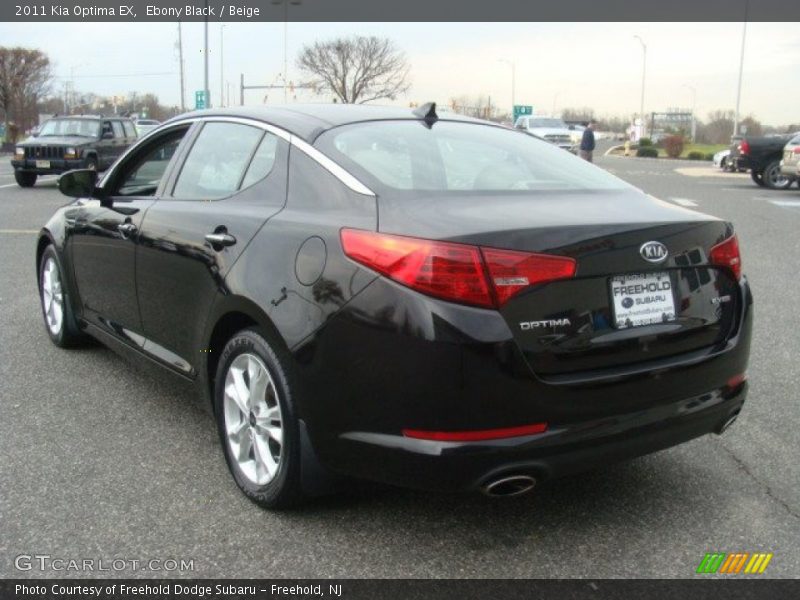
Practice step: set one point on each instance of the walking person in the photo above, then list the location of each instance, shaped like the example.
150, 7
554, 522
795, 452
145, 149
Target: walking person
587, 142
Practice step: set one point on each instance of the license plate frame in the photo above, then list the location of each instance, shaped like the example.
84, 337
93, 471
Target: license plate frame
42, 164
641, 299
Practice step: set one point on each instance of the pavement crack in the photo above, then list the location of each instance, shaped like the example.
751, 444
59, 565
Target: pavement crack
770, 493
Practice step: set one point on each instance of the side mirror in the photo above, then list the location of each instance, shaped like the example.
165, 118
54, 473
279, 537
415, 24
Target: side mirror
35, 132
78, 183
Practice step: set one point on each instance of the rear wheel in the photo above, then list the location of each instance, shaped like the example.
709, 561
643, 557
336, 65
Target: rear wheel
59, 320
774, 179
25, 179
256, 420
757, 176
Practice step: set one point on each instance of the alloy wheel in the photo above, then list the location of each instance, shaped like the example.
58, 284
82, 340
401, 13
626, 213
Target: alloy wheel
52, 297
253, 424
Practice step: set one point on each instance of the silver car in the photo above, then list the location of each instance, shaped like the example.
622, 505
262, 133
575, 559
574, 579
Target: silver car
790, 164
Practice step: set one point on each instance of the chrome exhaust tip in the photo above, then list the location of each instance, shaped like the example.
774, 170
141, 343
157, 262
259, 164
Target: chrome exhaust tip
512, 485
726, 425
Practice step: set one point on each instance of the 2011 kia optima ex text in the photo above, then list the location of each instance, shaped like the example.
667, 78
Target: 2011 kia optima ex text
430, 301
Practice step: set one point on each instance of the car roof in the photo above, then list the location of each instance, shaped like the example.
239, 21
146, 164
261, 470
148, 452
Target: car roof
308, 121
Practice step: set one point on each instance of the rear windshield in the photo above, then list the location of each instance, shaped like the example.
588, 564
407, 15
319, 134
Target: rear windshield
462, 157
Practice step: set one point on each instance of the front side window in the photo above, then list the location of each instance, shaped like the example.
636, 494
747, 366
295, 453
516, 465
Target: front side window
118, 131
142, 173
458, 157
217, 162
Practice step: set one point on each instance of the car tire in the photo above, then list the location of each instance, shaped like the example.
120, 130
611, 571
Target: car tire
774, 179
25, 179
59, 318
90, 162
723, 164
757, 177
256, 420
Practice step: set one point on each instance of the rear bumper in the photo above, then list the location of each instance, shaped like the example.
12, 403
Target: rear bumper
790, 170
451, 466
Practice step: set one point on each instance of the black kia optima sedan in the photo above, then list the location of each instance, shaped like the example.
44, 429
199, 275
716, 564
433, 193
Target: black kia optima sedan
425, 300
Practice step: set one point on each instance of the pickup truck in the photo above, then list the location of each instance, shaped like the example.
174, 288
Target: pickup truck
762, 156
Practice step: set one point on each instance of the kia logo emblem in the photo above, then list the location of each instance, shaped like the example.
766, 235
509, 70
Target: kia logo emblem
654, 252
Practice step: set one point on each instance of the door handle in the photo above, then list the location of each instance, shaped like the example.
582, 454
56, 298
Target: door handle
126, 228
220, 239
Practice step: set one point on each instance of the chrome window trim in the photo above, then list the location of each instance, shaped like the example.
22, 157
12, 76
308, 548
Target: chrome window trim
323, 160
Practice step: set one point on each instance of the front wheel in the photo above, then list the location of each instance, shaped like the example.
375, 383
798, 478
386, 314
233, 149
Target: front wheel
59, 320
91, 162
256, 420
758, 177
774, 179
25, 179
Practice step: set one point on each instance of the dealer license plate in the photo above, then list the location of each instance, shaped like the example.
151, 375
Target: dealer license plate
642, 299
42, 164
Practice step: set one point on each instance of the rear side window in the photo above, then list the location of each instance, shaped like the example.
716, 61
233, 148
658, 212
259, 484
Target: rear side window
263, 160
795, 140
130, 130
458, 157
217, 162
118, 131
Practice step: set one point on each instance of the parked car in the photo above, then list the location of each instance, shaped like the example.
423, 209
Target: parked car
144, 126
70, 142
551, 129
515, 314
721, 159
762, 156
791, 158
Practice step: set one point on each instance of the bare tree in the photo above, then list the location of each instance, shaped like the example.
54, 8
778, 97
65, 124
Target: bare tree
356, 69
24, 80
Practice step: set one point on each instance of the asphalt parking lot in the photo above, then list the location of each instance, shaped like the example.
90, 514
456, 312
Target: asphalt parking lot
98, 460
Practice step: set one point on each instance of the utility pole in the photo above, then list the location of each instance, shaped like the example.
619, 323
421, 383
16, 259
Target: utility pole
644, 72
221, 69
741, 68
180, 66
205, 59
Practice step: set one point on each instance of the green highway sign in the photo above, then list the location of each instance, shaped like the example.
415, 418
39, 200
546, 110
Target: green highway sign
521, 110
200, 99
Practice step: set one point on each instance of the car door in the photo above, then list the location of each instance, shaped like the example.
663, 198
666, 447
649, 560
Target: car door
120, 142
233, 178
101, 236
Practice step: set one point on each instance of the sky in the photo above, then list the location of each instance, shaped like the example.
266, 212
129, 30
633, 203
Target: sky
557, 65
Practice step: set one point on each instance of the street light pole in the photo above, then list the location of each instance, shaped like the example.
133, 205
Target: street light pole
741, 68
221, 68
644, 72
513, 66
205, 60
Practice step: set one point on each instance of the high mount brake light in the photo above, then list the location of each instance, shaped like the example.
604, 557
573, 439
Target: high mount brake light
485, 277
726, 254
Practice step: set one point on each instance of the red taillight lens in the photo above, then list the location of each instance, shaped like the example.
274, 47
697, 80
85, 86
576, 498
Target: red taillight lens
476, 435
796, 149
441, 269
454, 272
744, 147
512, 271
726, 254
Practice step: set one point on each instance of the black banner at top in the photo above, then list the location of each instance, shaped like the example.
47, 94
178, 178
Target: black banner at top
399, 10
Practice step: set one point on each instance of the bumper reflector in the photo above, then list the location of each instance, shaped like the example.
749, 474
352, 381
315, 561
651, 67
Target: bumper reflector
476, 435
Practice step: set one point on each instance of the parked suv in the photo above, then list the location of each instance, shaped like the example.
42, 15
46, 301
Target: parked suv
72, 142
551, 129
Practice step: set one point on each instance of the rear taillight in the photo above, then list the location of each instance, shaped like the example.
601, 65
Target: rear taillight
796, 150
726, 254
462, 273
744, 147
513, 271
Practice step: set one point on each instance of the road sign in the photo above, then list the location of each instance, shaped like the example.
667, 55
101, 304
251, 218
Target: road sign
200, 99
522, 110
